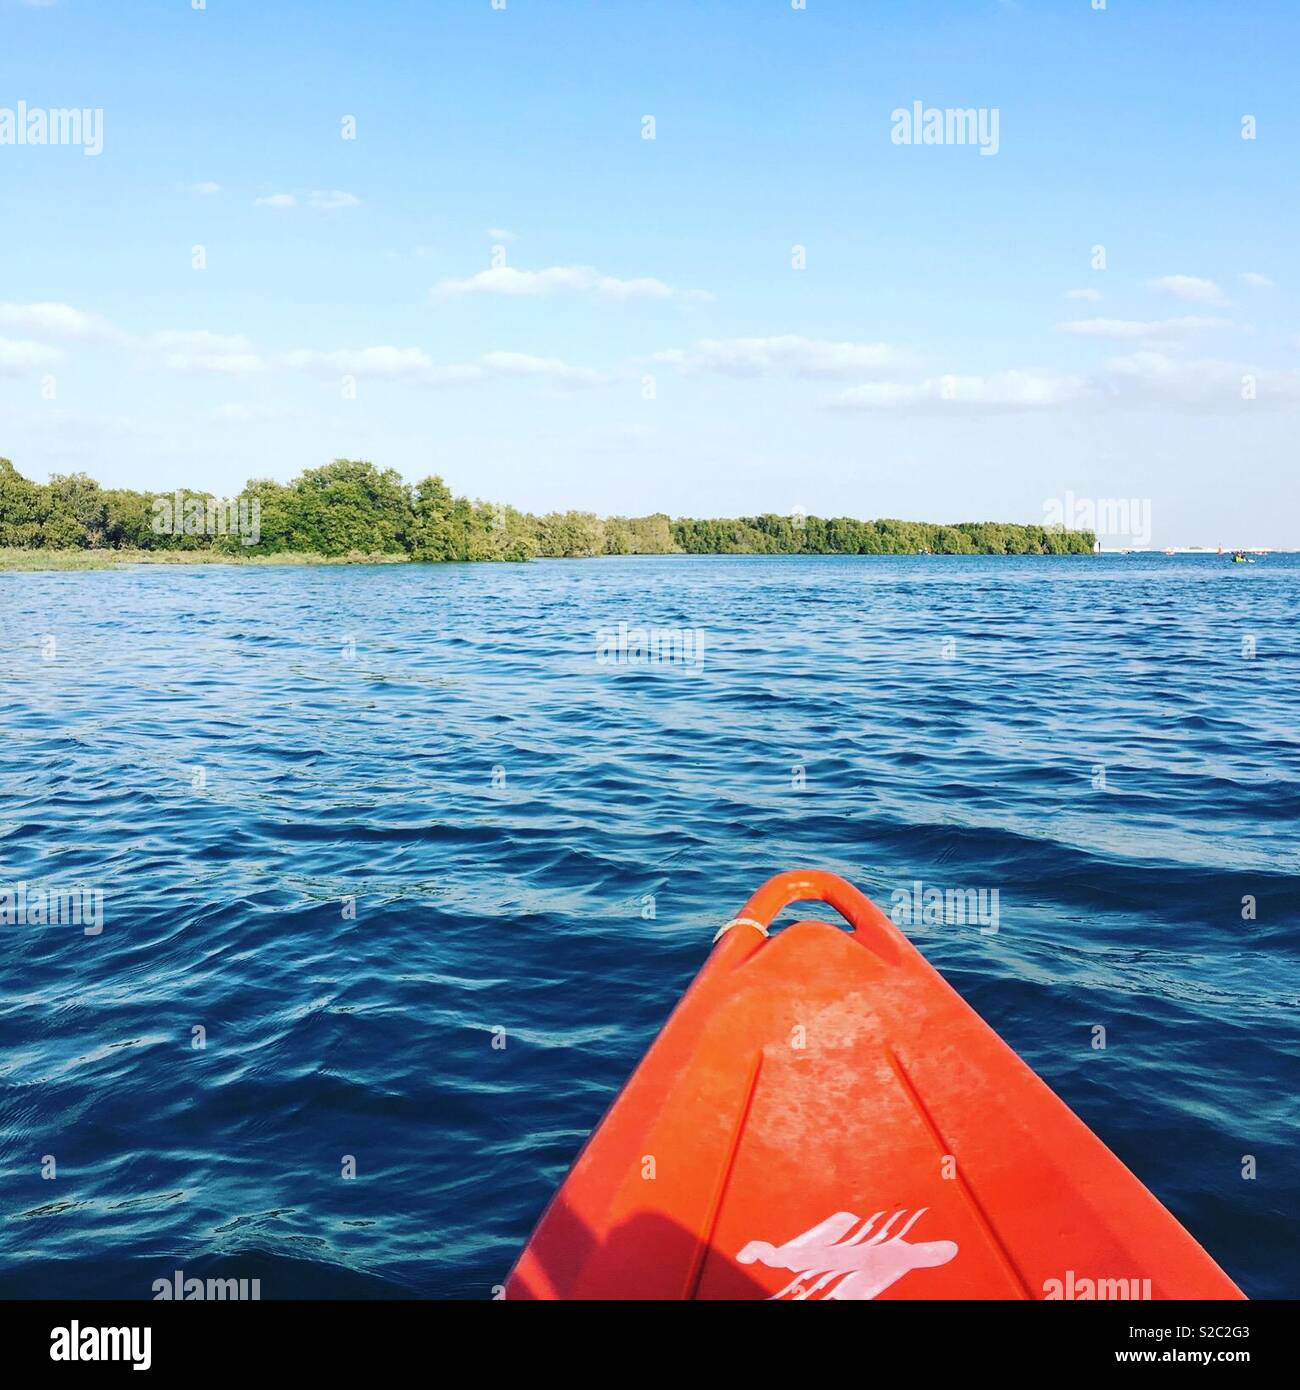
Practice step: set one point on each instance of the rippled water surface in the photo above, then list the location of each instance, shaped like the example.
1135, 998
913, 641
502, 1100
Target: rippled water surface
440, 744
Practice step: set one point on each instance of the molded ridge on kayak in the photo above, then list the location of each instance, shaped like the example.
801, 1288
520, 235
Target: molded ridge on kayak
823, 1116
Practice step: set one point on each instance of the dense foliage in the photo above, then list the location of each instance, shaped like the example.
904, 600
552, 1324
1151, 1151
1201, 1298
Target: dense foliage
348, 507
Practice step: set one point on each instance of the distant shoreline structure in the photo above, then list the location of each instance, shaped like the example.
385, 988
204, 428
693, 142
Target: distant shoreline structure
1213, 550
352, 510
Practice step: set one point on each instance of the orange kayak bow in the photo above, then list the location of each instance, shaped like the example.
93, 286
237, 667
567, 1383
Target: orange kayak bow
823, 1116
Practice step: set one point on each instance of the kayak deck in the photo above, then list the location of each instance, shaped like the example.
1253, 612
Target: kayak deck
824, 1117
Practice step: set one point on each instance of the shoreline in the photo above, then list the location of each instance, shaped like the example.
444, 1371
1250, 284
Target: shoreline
73, 561
78, 561
65, 561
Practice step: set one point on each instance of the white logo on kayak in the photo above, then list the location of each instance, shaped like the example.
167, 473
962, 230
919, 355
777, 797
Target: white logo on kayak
856, 1266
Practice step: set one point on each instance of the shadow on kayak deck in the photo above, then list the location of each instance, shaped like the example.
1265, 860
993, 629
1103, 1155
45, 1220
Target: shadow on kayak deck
650, 1247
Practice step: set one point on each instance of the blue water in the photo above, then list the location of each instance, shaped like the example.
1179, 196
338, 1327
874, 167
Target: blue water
949, 715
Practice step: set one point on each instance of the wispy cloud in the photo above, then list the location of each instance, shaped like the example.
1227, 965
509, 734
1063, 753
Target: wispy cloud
416, 253
60, 321
206, 189
330, 200
785, 354
241, 413
197, 350
573, 279
1191, 288
500, 234
1153, 379
414, 366
1136, 329
544, 368
382, 363
17, 356
1144, 380
1092, 296
323, 200
998, 392
1257, 281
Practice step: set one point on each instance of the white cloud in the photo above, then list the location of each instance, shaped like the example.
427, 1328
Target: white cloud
17, 356
1189, 287
416, 367
198, 350
331, 199
417, 253
549, 368
388, 363
998, 392
240, 413
787, 354
1132, 329
1091, 295
1146, 379
1153, 379
205, 189
559, 279
1257, 281
48, 320
1152, 375
500, 234
323, 200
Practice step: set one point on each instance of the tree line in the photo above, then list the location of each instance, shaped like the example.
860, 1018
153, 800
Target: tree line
350, 507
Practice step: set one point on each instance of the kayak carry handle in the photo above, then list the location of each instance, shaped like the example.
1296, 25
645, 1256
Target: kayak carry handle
817, 885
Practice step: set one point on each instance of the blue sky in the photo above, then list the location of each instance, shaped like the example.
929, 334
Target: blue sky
947, 353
